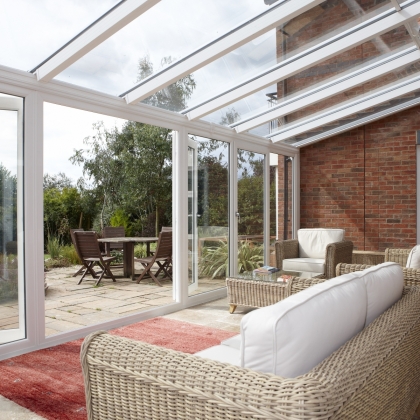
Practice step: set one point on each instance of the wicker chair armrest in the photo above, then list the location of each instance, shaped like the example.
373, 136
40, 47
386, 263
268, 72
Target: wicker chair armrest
397, 255
288, 248
343, 268
142, 381
297, 284
337, 252
411, 276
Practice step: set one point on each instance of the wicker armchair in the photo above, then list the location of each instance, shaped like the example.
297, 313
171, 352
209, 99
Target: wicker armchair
397, 255
335, 253
411, 275
373, 376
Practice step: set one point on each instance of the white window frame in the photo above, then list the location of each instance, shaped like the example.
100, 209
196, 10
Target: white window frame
19, 83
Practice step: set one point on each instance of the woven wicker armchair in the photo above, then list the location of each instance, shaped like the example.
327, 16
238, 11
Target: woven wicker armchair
397, 255
373, 376
335, 253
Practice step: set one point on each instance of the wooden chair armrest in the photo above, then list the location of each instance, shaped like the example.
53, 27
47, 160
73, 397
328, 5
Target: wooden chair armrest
288, 248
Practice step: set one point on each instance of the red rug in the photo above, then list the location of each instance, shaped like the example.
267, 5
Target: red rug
49, 382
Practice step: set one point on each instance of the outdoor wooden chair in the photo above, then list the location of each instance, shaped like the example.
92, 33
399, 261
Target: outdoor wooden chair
80, 270
90, 253
162, 256
113, 232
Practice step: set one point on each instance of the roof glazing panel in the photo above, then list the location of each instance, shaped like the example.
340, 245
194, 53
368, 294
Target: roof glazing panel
30, 31
168, 31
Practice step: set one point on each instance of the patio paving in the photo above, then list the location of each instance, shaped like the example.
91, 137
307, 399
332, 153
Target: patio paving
69, 306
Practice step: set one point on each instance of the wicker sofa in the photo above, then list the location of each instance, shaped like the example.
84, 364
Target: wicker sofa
374, 375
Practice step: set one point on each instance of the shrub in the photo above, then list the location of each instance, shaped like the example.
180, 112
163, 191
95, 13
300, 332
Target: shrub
140, 250
53, 246
214, 260
56, 263
69, 253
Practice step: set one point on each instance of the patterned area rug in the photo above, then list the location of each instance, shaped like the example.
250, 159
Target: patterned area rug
49, 382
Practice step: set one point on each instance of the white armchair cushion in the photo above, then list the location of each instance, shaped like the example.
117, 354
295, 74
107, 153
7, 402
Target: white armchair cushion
313, 242
413, 260
314, 265
292, 336
384, 285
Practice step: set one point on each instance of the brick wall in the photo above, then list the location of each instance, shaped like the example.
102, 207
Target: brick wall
365, 181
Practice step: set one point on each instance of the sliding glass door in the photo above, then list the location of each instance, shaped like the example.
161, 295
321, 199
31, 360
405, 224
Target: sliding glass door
12, 295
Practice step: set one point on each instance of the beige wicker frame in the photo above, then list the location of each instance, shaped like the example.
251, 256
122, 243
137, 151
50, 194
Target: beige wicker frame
335, 253
259, 293
374, 376
411, 275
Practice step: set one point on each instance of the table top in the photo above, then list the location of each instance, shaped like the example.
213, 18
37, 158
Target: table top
129, 239
277, 277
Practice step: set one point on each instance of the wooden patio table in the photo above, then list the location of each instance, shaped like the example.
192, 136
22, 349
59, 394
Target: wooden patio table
128, 250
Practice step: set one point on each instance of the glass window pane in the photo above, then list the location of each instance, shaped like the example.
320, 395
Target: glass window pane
170, 30
12, 304
250, 172
30, 31
209, 243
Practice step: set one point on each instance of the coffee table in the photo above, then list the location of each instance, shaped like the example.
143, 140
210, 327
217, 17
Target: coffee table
258, 290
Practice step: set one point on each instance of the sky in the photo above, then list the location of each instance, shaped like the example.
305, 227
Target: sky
30, 31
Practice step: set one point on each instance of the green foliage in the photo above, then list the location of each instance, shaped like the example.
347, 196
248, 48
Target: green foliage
56, 263
54, 246
8, 206
119, 218
214, 260
140, 250
8, 277
69, 253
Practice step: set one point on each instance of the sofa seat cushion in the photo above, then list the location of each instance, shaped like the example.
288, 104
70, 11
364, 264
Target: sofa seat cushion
413, 260
234, 342
384, 286
313, 242
222, 353
314, 265
292, 336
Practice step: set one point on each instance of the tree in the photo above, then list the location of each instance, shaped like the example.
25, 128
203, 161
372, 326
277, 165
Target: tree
173, 97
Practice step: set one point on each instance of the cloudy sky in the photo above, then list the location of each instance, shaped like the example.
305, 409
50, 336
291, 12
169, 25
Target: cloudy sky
32, 30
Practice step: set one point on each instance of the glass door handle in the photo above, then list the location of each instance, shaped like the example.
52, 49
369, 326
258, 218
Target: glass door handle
238, 215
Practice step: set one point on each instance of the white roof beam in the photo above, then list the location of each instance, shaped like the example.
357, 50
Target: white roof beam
118, 17
413, 32
368, 29
396, 5
276, 15
337, 113
331, 87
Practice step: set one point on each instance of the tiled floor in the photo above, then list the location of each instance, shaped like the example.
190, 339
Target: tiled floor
69, 306
213, 314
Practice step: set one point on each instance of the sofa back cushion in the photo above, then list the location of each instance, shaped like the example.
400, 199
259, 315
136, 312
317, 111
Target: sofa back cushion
413, 260
313, 242
294, 335
384, 286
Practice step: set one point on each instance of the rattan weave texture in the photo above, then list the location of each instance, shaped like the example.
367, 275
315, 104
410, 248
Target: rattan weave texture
374, 376
411, 275
335, 253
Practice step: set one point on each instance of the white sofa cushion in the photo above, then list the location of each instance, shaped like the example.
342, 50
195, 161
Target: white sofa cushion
384, 286
313, 242
234, 342
222, 353
314, 265
292, 336
413, 260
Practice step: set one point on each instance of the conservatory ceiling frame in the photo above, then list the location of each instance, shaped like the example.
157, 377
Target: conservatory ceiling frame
335, 45
361, 121
242, 34
359, 104
330, 88
96, 33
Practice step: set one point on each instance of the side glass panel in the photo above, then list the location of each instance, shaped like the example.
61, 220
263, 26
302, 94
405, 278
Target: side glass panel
208, 214
12, 283
250, 214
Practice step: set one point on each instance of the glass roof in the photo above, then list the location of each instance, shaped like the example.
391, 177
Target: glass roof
30, 31
169, 30
272, 73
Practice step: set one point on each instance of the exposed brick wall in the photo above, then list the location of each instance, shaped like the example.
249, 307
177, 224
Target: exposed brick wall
365, 181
